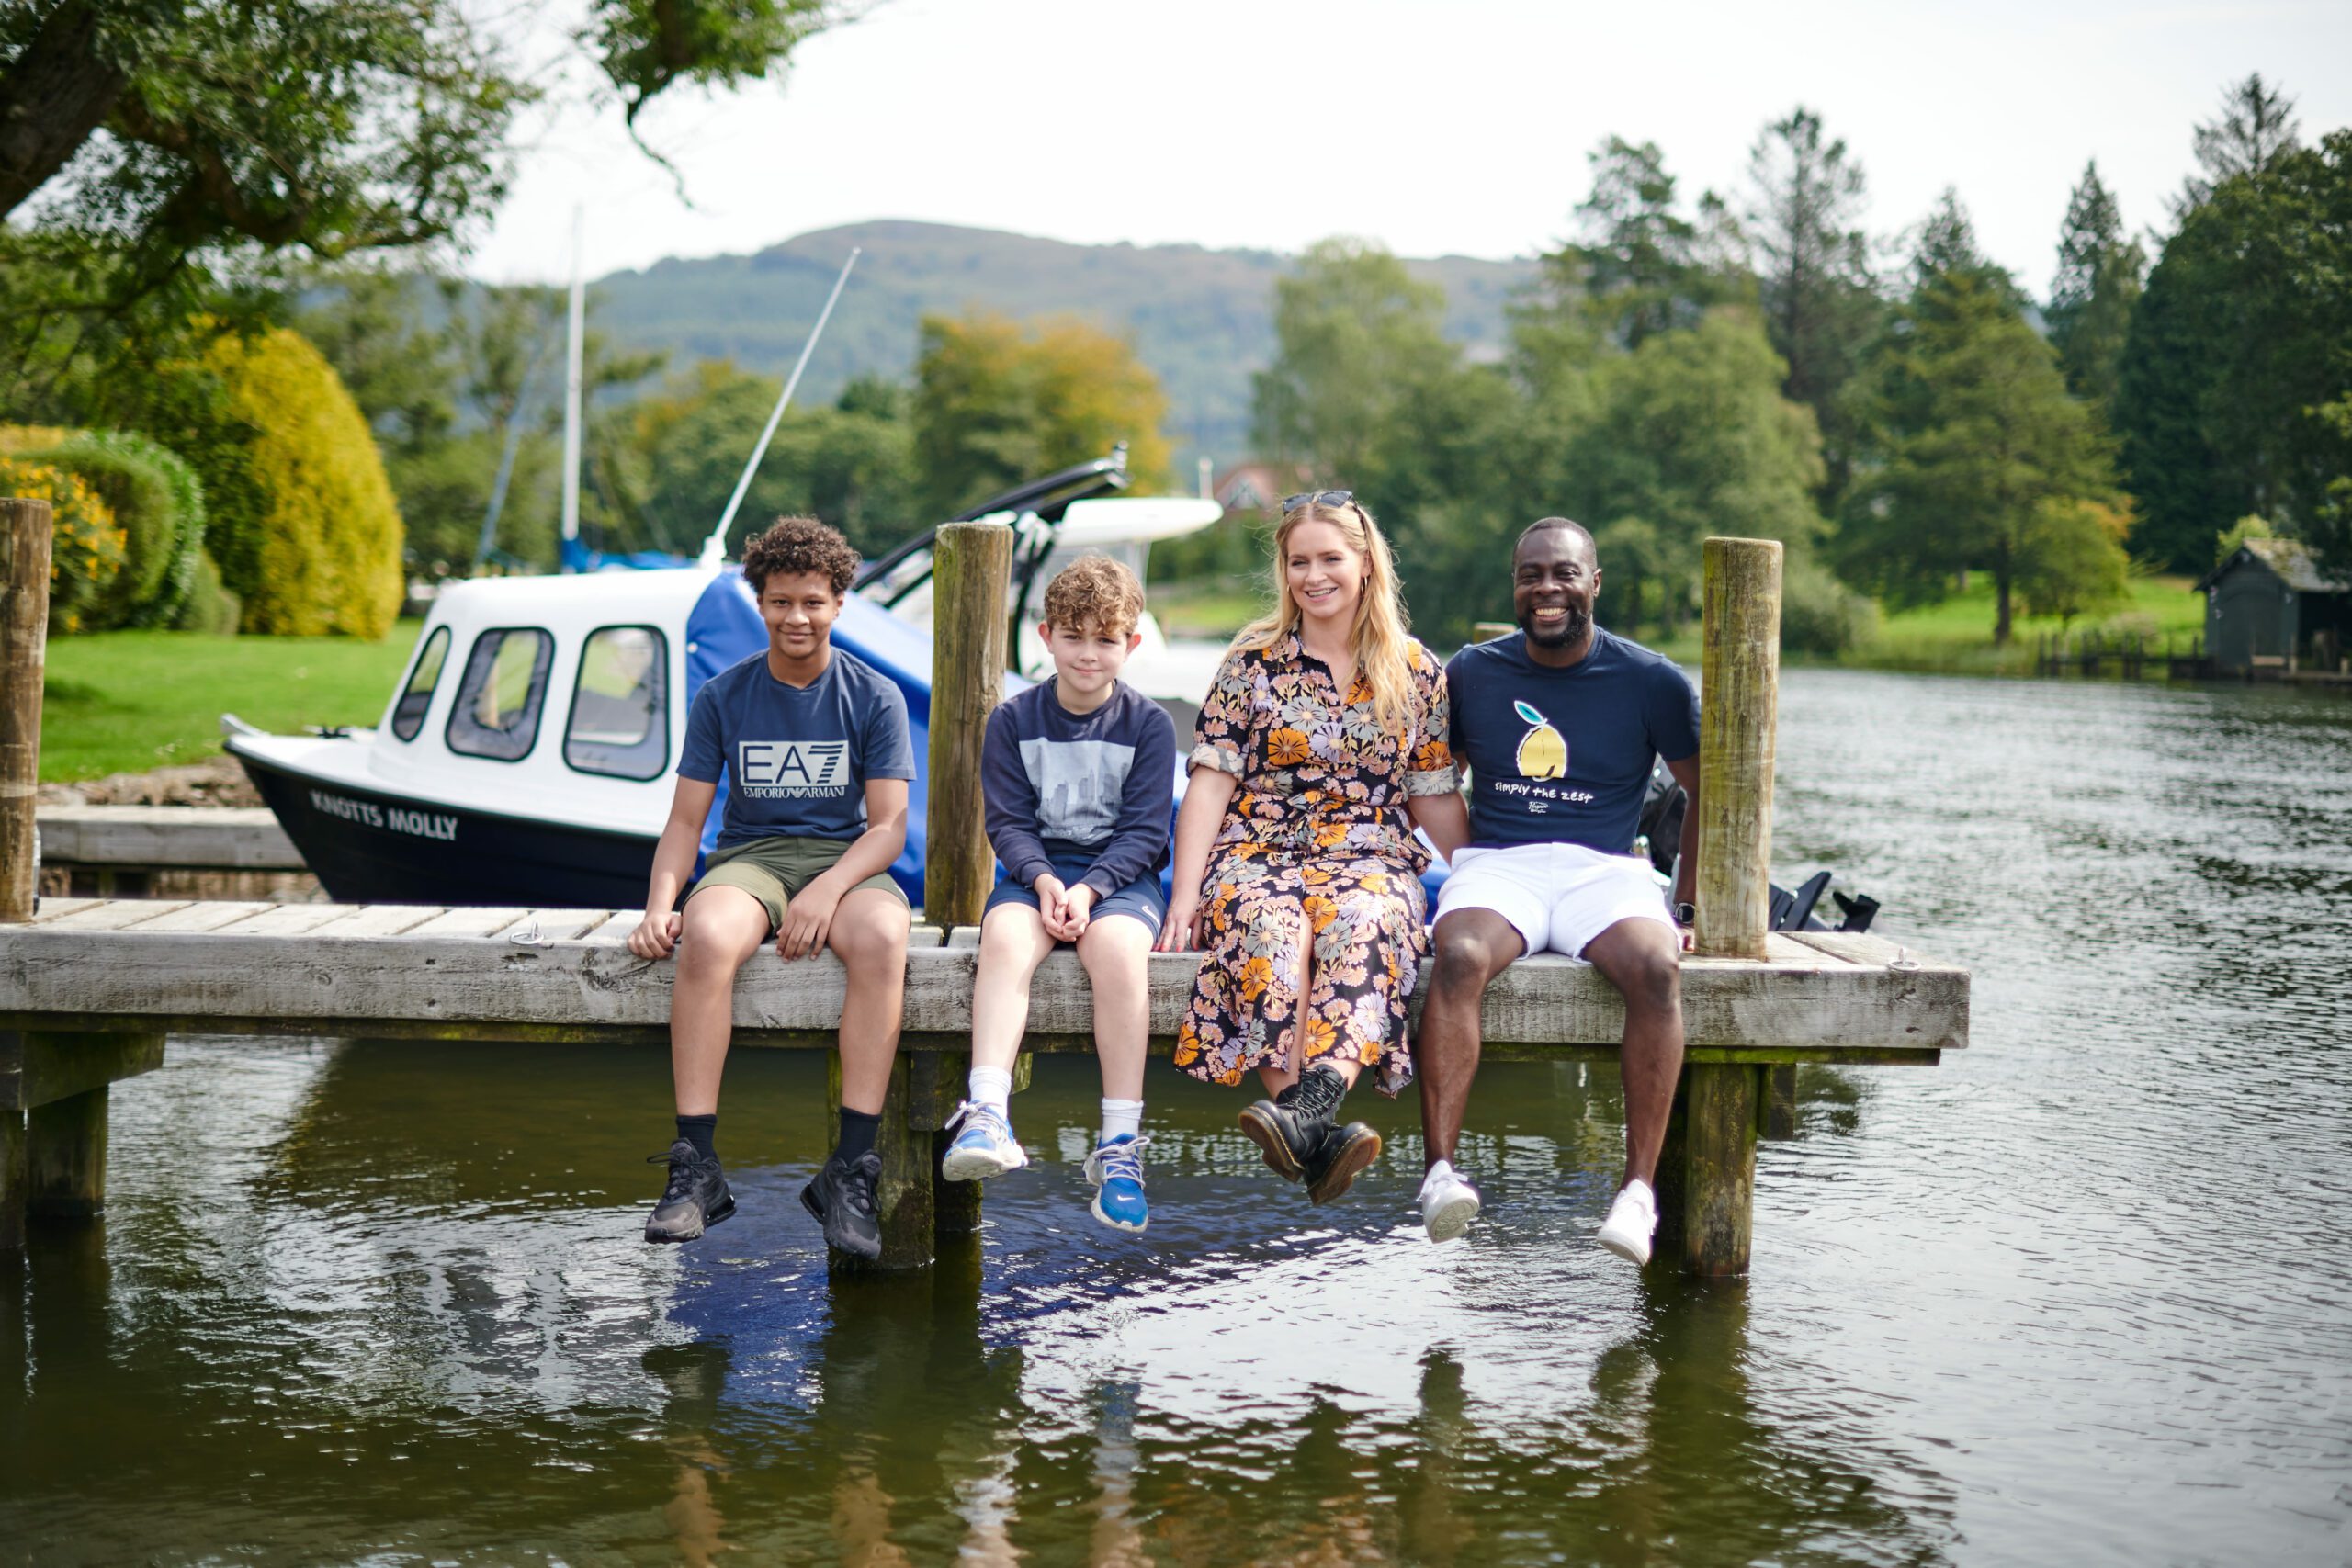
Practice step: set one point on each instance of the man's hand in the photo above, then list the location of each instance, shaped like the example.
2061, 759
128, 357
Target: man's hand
808, 920
656, 934
1077, 905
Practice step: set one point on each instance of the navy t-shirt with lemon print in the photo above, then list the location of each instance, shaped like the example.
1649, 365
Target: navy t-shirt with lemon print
1563, 756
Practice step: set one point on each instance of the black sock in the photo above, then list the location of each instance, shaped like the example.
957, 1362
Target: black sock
699, 1131
857, 1134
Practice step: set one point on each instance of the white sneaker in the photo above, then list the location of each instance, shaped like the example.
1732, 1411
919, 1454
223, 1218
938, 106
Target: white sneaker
1447, 1202
1631, 1221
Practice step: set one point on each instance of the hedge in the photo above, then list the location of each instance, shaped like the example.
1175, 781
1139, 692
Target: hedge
85, 547
302, 522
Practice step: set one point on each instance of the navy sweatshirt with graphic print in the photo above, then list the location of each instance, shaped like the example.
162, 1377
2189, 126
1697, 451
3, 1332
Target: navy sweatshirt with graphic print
1097, 786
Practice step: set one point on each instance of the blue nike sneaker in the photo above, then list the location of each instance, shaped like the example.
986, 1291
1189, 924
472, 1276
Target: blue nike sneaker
984, 1147
1116, 1170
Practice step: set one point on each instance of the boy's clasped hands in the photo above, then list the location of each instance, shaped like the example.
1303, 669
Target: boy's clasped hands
1065, 910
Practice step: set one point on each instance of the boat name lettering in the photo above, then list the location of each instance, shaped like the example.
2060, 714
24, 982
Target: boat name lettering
398, 820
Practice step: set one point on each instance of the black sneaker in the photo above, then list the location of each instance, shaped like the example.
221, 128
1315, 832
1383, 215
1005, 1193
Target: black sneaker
1339, 1160
841, 1196
696, 1198
1290, 1127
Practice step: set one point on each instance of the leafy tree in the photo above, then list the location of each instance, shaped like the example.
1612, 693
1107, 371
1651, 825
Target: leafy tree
1821, 304
2097, 283
160, 129
1689, 435
2257, 127
1983, 453
1354, 329
677, 453
997, 403
2234, 375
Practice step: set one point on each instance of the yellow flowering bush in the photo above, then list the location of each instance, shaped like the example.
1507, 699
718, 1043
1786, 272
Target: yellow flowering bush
86, 548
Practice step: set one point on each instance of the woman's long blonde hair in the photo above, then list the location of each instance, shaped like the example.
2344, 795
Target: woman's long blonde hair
1378, 635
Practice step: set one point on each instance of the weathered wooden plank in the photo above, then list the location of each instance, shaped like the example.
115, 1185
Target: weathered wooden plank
57, 909
1741, 659
1857, 947
615, 931
200, 837
971, 563
470, 922
112, 914
564, 925
363, 920
41, 1064
210, 916
289, 920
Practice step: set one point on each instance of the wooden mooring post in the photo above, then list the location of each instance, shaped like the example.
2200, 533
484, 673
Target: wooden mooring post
52, 1088
1707, 1170
972, 567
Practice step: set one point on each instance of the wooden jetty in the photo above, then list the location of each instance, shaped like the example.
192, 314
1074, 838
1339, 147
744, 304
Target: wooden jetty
91, 989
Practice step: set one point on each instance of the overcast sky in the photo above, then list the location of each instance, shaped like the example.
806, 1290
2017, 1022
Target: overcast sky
1432, 126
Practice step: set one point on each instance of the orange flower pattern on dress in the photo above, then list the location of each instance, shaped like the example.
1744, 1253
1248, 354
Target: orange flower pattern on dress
1316, 857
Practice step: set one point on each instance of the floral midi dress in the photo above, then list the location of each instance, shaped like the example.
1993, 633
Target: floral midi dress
1315, 852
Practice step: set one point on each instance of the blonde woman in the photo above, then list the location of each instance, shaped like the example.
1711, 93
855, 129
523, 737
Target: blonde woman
1321, 744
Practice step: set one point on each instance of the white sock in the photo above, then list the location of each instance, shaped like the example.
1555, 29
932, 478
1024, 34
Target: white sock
992, 1086
1121, 1116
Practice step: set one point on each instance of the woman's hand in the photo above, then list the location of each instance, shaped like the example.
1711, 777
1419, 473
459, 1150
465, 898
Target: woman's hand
1180, 931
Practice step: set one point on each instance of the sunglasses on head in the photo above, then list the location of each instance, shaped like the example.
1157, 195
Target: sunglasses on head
1318, 497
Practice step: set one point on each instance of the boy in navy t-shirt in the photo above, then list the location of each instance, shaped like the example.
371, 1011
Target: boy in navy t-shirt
1559, 723
814, 743
1080, 774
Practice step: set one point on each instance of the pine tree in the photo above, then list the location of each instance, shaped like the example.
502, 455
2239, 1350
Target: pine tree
1644, 268
2097, 283
1985, 461
1821, 307
2256, 129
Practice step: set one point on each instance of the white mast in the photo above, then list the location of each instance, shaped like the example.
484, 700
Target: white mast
572, 404
714, 549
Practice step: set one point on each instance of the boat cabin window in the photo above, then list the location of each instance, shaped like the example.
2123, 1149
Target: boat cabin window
497, 711
620, 715
408, 714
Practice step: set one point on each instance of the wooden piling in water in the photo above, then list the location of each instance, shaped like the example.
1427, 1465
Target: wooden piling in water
24, 631
1707, 1170
971, 568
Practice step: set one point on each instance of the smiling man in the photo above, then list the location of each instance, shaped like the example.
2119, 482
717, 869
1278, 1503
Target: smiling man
1559, 723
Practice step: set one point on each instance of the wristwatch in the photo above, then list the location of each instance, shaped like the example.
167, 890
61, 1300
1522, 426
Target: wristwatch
1686, 915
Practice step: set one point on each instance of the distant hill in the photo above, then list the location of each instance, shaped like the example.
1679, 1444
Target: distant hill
1201, 319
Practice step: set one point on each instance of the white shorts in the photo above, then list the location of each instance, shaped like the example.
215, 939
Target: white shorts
1557, 896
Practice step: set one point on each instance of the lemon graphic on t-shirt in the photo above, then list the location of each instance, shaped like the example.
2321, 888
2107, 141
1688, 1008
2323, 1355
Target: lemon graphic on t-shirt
1543, 750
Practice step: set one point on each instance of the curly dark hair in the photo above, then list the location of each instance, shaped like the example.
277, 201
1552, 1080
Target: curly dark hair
795, 544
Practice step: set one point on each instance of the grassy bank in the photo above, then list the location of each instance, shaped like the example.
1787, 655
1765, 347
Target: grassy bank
125, 702
1955, 637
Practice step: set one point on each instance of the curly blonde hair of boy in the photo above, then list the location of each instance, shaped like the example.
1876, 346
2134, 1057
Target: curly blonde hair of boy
1094, 590
796, 545
1379, 635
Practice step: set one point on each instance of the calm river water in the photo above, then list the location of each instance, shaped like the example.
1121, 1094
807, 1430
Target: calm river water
2077, 1295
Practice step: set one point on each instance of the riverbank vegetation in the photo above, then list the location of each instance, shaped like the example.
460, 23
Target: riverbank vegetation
241, 356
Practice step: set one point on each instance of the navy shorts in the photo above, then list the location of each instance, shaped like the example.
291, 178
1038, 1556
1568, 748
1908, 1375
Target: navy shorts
1140, 899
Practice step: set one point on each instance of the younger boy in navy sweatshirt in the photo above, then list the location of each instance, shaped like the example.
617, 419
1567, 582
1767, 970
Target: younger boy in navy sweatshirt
1080, 777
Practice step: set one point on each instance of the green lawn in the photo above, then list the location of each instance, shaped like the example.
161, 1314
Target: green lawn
125, 702
1955, 637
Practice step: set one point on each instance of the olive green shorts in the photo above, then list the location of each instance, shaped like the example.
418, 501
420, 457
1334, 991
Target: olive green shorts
773, 870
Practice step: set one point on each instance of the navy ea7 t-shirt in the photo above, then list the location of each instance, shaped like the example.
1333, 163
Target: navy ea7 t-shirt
797, 758
1563, 756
